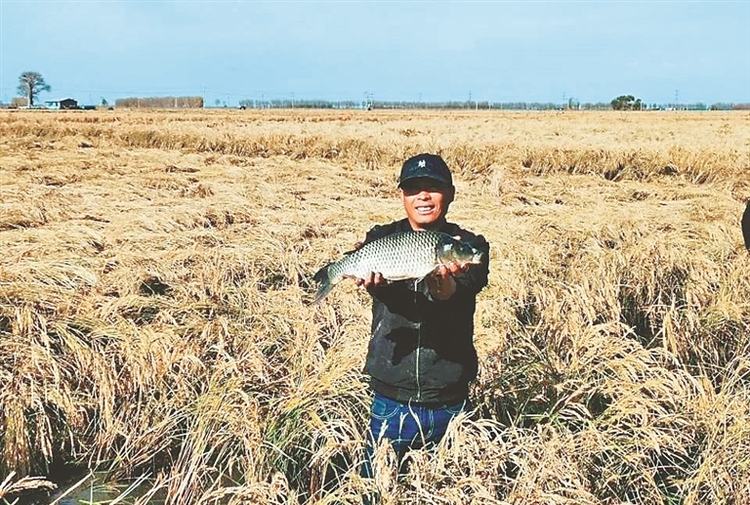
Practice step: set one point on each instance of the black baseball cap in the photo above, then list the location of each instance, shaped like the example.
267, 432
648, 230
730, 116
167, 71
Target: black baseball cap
426, 165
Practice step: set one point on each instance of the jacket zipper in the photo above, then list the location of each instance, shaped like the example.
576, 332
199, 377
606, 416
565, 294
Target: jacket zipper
419, 347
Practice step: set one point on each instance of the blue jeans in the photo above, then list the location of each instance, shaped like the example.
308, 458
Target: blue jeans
407, 426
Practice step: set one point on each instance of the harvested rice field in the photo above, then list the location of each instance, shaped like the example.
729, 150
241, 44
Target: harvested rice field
157, 344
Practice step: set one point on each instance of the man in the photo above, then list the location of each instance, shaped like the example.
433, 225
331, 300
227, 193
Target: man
421, 356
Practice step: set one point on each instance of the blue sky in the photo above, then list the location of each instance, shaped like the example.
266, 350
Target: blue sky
502, 51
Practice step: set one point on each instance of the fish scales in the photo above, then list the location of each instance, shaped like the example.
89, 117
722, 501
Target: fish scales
398, 256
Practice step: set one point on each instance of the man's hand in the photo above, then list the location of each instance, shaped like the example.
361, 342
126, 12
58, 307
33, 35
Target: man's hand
442, 283
371, 279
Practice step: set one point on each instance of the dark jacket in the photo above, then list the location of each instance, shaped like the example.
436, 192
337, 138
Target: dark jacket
421, 349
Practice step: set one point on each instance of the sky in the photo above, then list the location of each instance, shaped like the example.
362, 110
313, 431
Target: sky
500, 51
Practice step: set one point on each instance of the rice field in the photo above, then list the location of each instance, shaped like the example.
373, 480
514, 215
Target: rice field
157, 344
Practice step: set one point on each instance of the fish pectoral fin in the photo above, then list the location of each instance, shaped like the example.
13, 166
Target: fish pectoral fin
420, 279
398, 278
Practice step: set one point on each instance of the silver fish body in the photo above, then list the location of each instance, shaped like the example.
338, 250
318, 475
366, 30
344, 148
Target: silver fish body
398, 256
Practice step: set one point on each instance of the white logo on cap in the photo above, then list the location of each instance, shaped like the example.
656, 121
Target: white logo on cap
422, 164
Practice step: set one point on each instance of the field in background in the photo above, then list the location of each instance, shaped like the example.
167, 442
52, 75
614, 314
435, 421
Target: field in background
155, 269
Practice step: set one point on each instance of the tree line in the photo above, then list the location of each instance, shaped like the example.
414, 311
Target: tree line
626, 103
161, 102
31, 84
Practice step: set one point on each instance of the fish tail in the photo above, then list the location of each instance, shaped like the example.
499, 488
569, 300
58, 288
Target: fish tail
323, 279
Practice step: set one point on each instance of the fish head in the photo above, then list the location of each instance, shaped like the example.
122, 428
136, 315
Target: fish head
459, 252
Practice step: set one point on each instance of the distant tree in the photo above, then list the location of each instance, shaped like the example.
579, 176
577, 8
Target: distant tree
626, 102
30, 84
105, 103
18, 101
622, 102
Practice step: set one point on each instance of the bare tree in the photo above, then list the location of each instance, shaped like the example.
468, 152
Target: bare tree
30, 84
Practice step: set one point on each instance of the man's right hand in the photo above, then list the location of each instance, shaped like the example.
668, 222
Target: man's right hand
371, 279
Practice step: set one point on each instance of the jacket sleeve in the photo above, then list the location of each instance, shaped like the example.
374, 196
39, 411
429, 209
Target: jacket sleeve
475, 279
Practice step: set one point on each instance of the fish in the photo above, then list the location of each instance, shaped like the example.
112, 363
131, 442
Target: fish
398, 256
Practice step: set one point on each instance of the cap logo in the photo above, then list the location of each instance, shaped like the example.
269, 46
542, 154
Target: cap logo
422, 164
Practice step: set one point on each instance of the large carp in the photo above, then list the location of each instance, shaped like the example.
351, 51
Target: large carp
398, 256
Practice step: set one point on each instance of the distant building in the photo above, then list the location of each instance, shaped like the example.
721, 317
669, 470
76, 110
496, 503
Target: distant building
65, 103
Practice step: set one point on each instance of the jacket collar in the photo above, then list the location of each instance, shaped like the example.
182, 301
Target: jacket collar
449, 228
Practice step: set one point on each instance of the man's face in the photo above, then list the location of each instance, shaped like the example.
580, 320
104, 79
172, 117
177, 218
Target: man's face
426, 201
